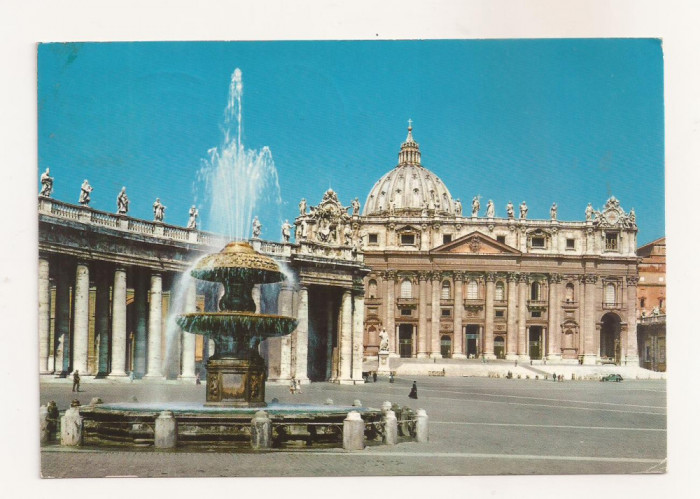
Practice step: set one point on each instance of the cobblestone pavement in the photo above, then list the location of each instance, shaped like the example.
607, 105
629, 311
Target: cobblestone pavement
478, 426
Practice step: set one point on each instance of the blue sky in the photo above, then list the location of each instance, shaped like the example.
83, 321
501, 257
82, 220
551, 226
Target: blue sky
571, 121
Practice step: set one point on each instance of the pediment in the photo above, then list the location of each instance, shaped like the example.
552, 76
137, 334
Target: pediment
476, 243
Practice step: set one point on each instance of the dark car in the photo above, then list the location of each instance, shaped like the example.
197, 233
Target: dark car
611, 377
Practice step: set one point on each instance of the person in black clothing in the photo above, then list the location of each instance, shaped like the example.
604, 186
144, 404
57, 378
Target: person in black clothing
374, 376
414, 391
76, 381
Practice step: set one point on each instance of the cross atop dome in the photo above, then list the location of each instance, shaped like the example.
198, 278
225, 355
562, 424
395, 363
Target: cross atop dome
410, 153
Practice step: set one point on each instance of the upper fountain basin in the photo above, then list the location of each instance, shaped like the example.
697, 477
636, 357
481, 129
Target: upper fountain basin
241, 324
238, 261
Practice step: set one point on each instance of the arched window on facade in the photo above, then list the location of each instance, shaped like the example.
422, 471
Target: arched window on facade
446, 293
500, 291
406, 289
535, 291
569, 291
472, 290
372, 288
610, 294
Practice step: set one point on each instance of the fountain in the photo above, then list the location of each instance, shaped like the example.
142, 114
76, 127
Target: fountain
236, 372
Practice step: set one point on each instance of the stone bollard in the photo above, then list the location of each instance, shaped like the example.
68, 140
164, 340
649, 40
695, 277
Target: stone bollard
353, 432
95, 401
386, 406
166, 431
44, 433
391, 428
260, 431
356, 403
328, 402
421, 426
72, 427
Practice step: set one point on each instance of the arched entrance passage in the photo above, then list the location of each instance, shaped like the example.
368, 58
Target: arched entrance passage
406, 340
446, 346
536, 342
499, 347
610, 337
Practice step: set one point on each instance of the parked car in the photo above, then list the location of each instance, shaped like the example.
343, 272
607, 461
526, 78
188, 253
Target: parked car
611, 377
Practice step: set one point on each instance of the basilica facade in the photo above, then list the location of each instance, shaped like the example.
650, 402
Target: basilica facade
444, 283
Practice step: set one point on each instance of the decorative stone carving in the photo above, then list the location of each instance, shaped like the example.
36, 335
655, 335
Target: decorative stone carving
355, 206
490, 209
553, 211
458, 275
423, 275
490, 277
85, 191
458, 207
509, 210
590, 278
589, 212
632, 280
286, 232
475, 244
555, 278
523, 210
257, 228
612, 216
192, 222
302, 207
158, 211
122, 202
524, 277
383, 341
475, 206
46, 184
347, 236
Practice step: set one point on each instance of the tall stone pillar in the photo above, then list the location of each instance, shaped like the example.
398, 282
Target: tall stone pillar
458, 334
589, 326
330, 328
62, 321
358, 329
522, 316
512, 331
284, 307
44, 314
189, 339
118, 363
422, 315
488, 322
389, 310
102, 281
632, 356
140, 322
435, 317
155, 327
345, 346
302, 332
81, 317
553, 332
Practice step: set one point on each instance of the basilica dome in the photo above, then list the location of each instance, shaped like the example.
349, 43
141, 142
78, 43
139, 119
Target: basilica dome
409, 188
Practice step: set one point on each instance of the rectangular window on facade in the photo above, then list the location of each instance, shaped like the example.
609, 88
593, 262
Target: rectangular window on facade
446, 238
405, 311
500, 313
371, 311
446, 312
570, 243
501, 239
408, 239
536, 313
611, 241
537, 242
373, 239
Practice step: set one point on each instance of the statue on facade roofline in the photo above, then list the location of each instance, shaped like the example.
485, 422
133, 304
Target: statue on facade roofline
85, 191
355, 206
523, 210
122, 202
633, 217
46, 184
286, 233
490, 209
257, 228
589, 212
192, 222
302, 207
158, 211
458, 207
553, 211
509, 210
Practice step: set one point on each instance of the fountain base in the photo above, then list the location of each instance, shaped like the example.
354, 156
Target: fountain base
236, 382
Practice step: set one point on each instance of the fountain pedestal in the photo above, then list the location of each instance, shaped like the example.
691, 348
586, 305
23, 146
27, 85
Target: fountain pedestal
236, 382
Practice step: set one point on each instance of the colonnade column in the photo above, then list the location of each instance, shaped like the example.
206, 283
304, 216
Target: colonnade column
155, 327
358, 333
512, 333
138, 354
329, 338
553, 346
188, 339
345, 346
522, 316
457, 334
632, 356
81, 300
422, 318
589, 326
435, 317
103, 278
62, 321
488, 321
390, 307
302, 332
284, 307
44, 314
119, 323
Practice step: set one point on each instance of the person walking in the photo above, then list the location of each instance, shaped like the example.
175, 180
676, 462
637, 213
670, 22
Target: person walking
414, 391
374, 376
76, 381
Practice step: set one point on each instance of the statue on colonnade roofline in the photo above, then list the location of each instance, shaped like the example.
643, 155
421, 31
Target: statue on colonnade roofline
458, 207
85, 191
122, 202
192, 222
355, 206
490, 209
286, 233
553, 211
475, 206
523, 210
257, 228
302, 207
509, 210
158, 211
633, 217
46, 184
589, 212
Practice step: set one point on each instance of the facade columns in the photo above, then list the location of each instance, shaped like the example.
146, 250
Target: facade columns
553, 333
435, 318
390, 307
422, 315
358, 334
302, 336
345, 347
589, 325
188, 339
81, 301
155, 327
457, 333
512, 332
632, 356
118, 363
488, 321
44, 314
522, 317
